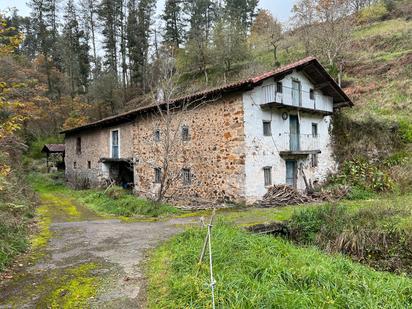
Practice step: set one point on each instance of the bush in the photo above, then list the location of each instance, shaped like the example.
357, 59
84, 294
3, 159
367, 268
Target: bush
364, 176
16, 210
374, 12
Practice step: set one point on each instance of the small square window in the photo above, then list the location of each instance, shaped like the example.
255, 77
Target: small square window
279, 88
267, 172
314, 160
156, 135
186, 177
158, 175
74, 165
267, 128
79, 145
314, 130
185, 133
89, 164
311, 94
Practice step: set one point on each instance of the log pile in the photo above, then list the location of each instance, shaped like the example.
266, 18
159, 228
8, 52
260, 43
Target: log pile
281, 195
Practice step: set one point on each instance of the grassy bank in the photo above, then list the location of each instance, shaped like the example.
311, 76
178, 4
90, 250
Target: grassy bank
254, 271
379, 234
115, 201
16, 212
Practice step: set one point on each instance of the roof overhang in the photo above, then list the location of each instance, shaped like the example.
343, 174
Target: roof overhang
309, 66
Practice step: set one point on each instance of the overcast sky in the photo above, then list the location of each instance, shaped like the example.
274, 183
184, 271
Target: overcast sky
279, 8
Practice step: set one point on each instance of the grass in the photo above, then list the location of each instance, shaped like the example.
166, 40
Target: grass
115, 201
16, 211
379, 234
254, 271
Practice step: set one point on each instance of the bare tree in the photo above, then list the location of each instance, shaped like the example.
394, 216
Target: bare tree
268, 30
168, 133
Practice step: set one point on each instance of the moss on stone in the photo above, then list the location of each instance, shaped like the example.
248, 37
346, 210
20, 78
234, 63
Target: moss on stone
77, 287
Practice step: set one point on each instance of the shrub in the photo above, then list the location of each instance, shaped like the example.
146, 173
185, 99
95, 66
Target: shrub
364, 176
373, 13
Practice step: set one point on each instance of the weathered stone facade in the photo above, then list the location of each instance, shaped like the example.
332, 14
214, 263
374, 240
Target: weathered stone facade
270, 129
214, 153
85, 166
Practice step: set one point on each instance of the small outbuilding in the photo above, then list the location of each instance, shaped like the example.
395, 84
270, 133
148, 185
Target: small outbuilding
54, 150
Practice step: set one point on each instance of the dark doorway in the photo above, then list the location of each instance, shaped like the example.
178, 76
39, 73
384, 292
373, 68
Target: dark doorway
120, 171
291, 173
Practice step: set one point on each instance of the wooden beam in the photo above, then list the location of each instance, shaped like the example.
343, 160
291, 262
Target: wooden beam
322, 85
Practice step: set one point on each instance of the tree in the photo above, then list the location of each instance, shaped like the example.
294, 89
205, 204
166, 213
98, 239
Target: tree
12, 112
108, 14
268, 30
167, 150
75, 50
139, 42
201, 14
174, 31
241, 11
89, 12
229, 45
304, 19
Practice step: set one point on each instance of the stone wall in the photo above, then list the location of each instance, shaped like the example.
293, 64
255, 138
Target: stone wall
95, 144
214, 153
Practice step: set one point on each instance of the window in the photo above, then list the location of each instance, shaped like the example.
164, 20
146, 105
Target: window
186, 177
185, 133
74, 165
156, 135
158, 175
267, 128
311, 94
115, 144
89, 164
267, 173
279, 87
79, 145
314, 130
314, 160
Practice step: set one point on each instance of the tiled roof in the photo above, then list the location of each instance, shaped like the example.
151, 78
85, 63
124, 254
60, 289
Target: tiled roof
53, 148
239, 85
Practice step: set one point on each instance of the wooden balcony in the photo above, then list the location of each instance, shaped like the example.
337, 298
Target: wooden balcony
297, 100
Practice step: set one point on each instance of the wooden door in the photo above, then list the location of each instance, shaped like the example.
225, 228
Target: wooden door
294, 142
291, 173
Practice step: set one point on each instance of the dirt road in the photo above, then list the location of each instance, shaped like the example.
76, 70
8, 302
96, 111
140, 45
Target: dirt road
82, 260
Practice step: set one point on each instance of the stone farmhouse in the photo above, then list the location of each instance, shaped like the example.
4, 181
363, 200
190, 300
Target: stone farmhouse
233, 143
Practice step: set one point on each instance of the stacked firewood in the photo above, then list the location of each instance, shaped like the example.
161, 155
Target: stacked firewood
281, 195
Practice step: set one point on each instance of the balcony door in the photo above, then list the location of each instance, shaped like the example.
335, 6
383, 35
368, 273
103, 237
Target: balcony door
294, 130
296, 93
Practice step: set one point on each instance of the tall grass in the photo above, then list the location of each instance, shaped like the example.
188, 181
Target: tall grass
379, 235
16, 211
254, 271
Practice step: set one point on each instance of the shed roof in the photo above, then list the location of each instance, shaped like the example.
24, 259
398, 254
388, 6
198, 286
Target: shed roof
309, 66
53, 148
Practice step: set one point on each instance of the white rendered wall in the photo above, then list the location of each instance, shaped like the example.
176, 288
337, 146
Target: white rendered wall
262, 151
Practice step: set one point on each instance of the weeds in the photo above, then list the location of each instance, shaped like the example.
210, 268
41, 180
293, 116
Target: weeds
116, 201
379, 235
254, 271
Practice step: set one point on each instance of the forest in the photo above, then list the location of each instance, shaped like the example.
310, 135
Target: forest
74, 61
